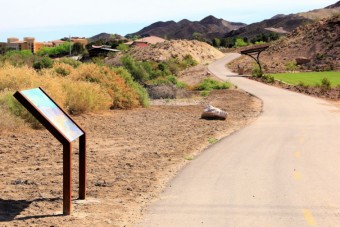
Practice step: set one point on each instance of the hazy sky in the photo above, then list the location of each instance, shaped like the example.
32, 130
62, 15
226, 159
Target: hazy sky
49, 20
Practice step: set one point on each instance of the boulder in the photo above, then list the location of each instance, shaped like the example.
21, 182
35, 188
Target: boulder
213, 113
302, 60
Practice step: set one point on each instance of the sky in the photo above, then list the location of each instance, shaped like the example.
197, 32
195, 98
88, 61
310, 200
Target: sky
50, 20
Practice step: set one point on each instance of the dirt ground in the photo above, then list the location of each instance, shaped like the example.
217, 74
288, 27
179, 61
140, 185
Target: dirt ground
131, 155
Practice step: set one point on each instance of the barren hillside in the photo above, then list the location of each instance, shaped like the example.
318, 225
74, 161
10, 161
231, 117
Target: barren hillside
313, 47
200, 51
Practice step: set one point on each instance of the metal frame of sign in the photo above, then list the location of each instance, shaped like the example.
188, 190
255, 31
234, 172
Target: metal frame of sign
67, 149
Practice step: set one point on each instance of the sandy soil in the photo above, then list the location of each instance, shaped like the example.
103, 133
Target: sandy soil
131, 156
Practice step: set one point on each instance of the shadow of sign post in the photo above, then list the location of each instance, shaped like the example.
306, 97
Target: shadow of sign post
65, 130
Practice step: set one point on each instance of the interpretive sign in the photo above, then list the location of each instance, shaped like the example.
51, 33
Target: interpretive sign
53, 113
61, 126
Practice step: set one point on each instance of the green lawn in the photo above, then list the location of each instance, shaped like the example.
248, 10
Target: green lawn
309, 78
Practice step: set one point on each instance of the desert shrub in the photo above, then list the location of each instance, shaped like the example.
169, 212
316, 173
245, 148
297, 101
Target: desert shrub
302, 84
122, 47
63, 69
269, 78
319, 56
325, 84
291, 66
173, 65
9, 122
204, 93
256, 72
9, 103
141, 91
188, 61
210, 84
136, 69
83, 97
43, 63
124, 92
70, 61
18, 58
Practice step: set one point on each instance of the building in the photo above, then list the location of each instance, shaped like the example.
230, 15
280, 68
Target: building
29, 43
103, 50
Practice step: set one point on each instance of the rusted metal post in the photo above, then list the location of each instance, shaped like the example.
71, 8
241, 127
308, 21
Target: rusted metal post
82, 166
67, 178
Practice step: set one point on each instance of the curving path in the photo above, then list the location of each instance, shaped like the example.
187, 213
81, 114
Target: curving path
283, 170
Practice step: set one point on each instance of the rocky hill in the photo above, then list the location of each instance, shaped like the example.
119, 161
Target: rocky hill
105, 37
208, 28
314, 46
285, 22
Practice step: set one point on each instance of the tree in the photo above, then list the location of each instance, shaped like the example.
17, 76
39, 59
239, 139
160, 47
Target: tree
43, 63
197, 36
216, 42
78, 48
240, 43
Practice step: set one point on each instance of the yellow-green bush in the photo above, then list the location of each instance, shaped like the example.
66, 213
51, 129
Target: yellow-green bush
82, 97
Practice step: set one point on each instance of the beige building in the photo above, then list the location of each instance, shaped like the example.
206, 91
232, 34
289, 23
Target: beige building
29, 43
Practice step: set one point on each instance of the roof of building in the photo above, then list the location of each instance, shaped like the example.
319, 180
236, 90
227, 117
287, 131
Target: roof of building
58, 41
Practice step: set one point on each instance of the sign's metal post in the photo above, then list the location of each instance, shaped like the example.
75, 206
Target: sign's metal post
82, 166
65, 130
67, 178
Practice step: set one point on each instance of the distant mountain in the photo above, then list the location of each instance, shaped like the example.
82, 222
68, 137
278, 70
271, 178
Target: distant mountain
335, 5
105, 37
285, 23
208, 28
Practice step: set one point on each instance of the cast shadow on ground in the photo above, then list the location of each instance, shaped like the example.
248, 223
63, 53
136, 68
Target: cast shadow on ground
9, 209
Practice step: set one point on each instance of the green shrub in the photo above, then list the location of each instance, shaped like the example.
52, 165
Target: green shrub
269, 78
71, 62
240, 43
43, 63
291, 66
302, 84
122, 47
18, 58
141, 91
61, 50
256, 72
62, 71
188, 61
82, 97
135, 68
210, 84
325, 84
204, 93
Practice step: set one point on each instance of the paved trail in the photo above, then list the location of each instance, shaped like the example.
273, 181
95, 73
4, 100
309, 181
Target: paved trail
283, 170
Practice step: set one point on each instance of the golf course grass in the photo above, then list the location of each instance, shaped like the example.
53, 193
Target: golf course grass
309, 78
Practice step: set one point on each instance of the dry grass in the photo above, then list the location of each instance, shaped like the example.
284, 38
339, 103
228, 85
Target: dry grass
87, 88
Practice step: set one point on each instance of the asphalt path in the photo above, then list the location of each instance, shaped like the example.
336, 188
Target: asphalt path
282, 170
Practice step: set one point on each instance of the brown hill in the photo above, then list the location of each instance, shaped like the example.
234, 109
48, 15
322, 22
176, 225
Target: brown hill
105, 37
314, 46
200, 51
208, 28
285, 22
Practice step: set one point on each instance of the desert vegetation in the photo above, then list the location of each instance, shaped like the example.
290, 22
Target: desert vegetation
77, 87
88, 87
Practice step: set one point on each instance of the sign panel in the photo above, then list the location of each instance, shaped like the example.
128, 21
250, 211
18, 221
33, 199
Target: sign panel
53, 113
